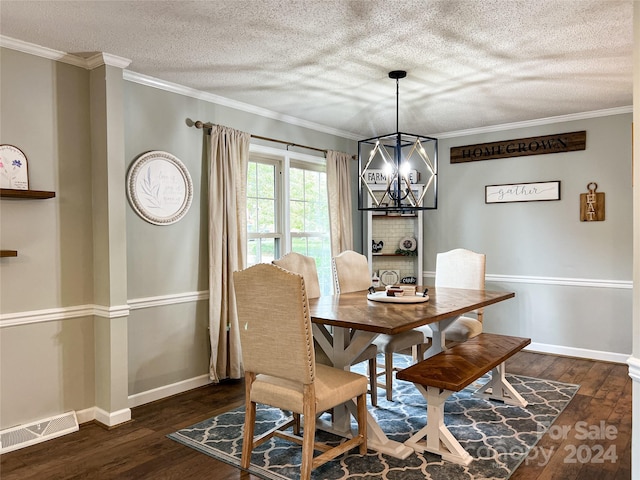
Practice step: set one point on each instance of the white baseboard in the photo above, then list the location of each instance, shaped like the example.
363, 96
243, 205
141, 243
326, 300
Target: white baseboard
111, 419
86, 415
95, 413
167, 390
634, 368
102, 416
578, 352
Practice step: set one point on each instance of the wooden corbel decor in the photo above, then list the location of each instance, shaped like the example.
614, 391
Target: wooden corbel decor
592, 204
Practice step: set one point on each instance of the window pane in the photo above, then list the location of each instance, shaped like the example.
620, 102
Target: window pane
261, 198
296, 181
268, 250
297, 217
261, 250
311, 186
309, 220
266, 179
252, 215
253, 253
320, 249
266, 215
299, 245
252, 179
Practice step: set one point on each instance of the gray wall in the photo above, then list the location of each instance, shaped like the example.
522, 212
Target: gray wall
558, 307
169, 344
46, 368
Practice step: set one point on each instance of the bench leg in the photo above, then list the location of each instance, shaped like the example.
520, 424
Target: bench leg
498, 388
437, 437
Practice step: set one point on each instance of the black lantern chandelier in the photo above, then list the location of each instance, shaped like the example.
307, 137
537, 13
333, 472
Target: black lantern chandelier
399, 171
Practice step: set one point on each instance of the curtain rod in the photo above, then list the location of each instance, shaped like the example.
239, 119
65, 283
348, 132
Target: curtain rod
200, 124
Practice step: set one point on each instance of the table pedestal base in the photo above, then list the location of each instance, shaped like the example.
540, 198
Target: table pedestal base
499, 389
437, 437
376, 438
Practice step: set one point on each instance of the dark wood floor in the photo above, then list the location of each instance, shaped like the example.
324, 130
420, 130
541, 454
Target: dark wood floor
140, 449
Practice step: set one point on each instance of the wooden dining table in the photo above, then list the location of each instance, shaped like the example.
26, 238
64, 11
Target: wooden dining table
345, 325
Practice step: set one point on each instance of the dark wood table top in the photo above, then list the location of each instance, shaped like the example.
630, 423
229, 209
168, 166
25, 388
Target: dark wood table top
353, 310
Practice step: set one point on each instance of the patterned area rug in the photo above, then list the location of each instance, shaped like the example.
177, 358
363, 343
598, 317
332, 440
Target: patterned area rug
497, 436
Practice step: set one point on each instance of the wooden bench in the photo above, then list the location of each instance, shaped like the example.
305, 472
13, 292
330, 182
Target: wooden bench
452, 370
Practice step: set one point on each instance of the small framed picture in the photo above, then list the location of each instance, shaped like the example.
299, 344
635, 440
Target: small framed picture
13, 168
389, 277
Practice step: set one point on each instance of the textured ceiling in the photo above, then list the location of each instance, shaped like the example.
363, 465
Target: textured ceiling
470, 64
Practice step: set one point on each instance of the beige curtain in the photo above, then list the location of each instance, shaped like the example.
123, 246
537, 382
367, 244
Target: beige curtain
340, 208
229, 157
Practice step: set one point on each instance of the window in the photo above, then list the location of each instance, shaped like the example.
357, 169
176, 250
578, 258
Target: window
287, 209
263, 222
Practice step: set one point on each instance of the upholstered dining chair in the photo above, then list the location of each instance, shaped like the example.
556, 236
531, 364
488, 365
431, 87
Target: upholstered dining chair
306, 266
280, 367
351, 274
461, 268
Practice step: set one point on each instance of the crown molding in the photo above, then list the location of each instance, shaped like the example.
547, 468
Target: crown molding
100, 59
227, 102
89, 63
607, 112
37, 50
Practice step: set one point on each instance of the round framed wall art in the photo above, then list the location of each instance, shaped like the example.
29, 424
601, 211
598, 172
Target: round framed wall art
159, 187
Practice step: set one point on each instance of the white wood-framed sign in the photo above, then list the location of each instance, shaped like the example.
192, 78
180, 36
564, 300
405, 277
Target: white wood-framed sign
14, 174
522, 192
159, 187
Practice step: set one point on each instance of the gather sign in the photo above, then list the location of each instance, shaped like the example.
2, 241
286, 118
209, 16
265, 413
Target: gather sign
560, 142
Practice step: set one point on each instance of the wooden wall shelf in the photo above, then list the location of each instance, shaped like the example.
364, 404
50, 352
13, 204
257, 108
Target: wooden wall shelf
24, 194
37, 194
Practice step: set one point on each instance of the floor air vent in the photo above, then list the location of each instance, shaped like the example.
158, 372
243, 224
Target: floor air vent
36, 432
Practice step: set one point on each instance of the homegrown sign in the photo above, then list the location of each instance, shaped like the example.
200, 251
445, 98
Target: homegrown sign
560, 142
